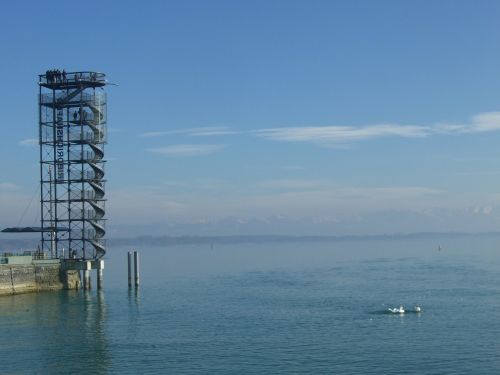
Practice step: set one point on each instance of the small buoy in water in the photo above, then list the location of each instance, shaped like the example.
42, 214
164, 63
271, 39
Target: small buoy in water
417, 309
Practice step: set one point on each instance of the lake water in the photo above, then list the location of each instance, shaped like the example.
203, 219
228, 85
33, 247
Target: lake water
294, 308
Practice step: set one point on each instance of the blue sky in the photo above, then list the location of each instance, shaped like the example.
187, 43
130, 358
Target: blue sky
289, 117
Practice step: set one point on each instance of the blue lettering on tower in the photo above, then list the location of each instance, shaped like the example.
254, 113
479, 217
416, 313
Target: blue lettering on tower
60, 145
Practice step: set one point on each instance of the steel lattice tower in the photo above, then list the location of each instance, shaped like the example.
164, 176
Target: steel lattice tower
72, 134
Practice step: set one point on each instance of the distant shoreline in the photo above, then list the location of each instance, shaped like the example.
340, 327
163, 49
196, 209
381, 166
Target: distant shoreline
151, 240
234, 239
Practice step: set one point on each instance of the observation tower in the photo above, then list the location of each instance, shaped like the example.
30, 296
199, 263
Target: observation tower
72, 135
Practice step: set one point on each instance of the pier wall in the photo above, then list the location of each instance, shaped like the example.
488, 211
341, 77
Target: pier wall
28, 278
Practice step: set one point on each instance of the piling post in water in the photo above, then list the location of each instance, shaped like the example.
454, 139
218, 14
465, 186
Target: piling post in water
100, 269
86, 280
129, 269
136, 268
86, 275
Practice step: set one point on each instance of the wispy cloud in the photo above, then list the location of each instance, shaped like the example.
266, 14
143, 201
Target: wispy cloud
397, 191
340, 134
331, 135
209, 131
186, 150
478, 173
291, 184
480, 123
8, 186
277, 167
29, 142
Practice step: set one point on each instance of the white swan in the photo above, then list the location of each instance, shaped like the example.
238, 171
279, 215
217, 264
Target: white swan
396, 310
417, 309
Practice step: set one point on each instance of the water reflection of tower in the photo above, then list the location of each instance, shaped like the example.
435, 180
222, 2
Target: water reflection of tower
72, 134
62, 332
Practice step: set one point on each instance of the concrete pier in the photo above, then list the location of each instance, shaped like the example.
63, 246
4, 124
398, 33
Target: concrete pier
86, 266
24, 275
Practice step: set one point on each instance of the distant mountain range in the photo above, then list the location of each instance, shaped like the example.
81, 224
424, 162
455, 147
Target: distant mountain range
30, 243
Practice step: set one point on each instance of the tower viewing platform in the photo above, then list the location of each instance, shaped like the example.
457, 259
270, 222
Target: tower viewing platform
56, 79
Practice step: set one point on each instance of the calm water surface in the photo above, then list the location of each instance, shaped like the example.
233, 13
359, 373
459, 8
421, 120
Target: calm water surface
270, 308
